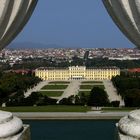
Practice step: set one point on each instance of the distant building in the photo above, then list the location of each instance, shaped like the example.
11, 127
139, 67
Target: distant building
21, 71
77, 73
124, 58
134, 70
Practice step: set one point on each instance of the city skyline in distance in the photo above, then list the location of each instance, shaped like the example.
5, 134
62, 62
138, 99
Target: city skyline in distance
34, 45
73, 24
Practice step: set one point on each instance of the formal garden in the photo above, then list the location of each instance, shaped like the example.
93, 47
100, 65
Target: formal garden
89, 94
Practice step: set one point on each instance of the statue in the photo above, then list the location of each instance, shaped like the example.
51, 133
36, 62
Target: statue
14, 14
126, 15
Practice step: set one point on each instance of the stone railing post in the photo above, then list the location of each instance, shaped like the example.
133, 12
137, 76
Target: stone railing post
129, 126
12, 128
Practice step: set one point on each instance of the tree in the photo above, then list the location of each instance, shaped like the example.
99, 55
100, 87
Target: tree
13, 85
98, 97
132, 98
115, 103
77, 100
123, 83
83, 98
67, 101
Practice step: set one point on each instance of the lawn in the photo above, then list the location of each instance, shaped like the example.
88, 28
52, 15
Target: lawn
85, 92
86, 86
93, 82
53, 87
52, 93
91, 86
49, 108
59, 82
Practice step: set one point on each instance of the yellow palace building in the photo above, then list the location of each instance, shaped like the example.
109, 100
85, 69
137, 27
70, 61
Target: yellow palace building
77, 73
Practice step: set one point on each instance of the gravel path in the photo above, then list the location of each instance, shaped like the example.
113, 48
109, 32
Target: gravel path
112, 92
72, 89
37, 88
94, 84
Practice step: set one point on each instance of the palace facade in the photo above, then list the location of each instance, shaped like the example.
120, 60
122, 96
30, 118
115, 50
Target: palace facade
77, 73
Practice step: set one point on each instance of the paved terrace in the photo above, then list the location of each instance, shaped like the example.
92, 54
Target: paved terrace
69, 116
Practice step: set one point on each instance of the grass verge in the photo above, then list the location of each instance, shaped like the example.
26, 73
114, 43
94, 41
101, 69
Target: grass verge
49, 108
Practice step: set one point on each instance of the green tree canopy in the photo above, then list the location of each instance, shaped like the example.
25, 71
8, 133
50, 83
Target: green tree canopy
98, 97
132, 98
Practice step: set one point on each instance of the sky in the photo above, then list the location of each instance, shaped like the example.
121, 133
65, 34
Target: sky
73, 23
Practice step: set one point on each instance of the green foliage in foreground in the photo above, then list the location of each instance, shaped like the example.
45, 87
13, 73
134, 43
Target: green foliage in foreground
129, 88
124, 83
132, 98
52, 93
12, 85
55, 87
50, 108
35, 99
98, 97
